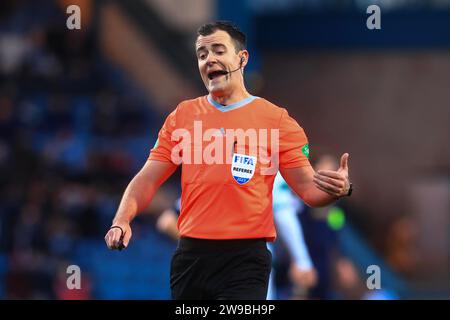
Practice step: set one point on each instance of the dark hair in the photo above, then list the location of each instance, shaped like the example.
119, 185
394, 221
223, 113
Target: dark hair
236, 35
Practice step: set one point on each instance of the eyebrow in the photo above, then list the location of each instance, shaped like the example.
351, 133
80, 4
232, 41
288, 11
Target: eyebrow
214, 45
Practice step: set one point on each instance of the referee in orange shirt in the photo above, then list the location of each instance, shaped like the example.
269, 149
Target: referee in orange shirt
221, 140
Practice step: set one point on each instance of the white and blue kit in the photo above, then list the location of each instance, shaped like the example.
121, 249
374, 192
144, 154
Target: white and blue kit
286, 205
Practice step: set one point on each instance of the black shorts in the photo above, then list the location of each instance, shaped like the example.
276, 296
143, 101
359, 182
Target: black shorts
220, 269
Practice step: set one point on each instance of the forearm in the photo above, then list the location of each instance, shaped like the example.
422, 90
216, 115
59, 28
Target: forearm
301, 182
136, 198
139, 193
173, 232
315, 197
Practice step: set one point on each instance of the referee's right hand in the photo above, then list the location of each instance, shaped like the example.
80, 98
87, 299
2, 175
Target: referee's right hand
118, 236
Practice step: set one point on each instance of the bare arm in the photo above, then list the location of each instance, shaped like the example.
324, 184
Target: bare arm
137, 196
167, 223
318, 189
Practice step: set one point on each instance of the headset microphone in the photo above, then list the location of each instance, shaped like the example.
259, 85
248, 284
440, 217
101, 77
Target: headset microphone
224, 72
240, 66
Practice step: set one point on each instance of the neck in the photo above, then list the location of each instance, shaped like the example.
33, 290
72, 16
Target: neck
230, 98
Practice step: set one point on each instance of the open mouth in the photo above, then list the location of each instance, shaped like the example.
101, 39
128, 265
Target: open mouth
215, 74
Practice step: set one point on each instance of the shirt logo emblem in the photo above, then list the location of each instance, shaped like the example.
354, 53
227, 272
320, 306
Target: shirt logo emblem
243, 168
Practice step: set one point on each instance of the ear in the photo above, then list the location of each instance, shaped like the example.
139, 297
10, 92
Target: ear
244, 58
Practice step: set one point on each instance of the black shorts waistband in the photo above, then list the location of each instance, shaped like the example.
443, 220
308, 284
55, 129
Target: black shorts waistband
208, 245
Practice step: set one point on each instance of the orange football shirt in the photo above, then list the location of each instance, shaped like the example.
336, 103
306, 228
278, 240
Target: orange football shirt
226, 188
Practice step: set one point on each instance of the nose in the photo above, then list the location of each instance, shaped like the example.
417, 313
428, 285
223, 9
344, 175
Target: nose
210, 60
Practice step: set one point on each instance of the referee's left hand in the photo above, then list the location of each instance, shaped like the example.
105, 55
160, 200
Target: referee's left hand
335, 183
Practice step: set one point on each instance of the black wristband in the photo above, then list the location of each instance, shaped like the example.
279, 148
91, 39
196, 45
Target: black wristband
121, 230
350, 190
121, 245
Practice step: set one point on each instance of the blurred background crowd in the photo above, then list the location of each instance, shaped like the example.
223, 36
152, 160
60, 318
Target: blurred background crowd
81, 109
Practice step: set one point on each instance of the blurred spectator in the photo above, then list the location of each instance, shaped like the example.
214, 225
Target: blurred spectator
320, 238
349, 285
401, 246
301, 271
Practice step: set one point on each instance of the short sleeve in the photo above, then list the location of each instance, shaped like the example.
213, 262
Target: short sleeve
293, 146
162, 150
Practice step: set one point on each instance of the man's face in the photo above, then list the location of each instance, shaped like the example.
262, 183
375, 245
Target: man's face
216, 55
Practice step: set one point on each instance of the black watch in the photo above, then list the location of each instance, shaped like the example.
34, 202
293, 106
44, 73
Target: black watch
350, 190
